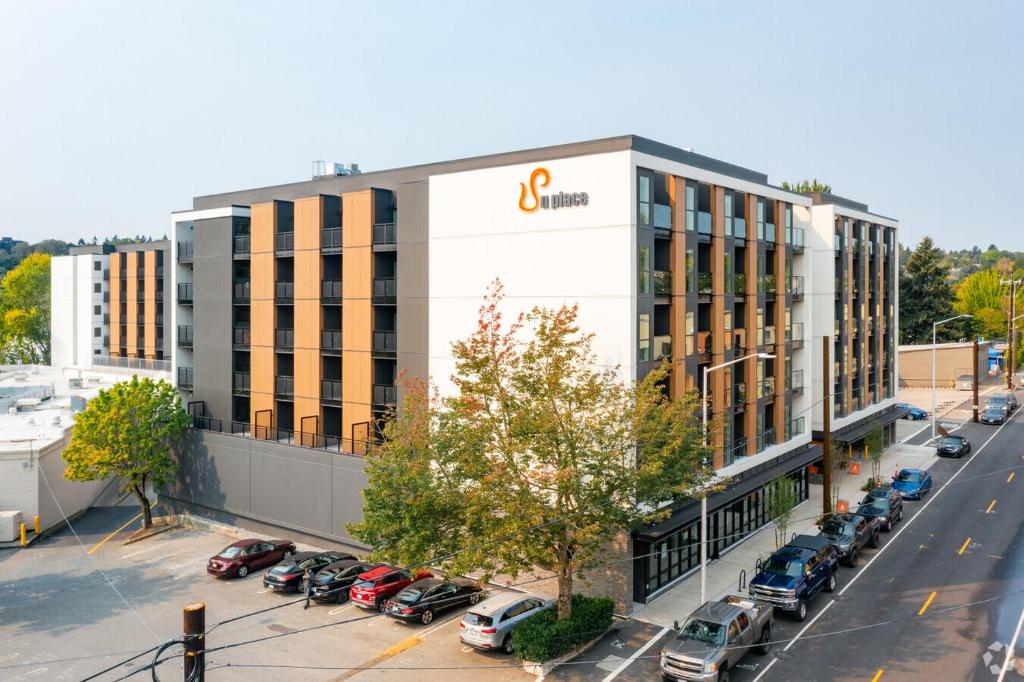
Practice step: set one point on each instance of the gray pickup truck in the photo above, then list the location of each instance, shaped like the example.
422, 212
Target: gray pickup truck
714, 639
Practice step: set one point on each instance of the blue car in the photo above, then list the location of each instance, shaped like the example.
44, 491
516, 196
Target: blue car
912, 484
914, 414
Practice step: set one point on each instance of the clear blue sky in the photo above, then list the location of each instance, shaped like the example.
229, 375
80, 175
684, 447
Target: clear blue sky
115, 114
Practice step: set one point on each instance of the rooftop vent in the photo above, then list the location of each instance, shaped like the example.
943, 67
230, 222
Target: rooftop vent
323, 169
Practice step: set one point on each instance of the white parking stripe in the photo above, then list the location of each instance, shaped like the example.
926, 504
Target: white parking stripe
1010, 648
636, 654
440, 625
336, 611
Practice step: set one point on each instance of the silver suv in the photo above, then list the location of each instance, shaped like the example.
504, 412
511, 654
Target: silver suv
965, 382
489, 624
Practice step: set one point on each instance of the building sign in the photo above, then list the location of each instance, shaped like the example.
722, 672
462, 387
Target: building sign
542, 177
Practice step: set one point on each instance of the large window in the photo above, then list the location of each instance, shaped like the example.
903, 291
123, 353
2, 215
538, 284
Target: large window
690, 274
644, 346
727, 268
644, 267
691, 208
760, 218
728, 215
643, 209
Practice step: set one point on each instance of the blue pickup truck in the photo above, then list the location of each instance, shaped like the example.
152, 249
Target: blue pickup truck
795, 574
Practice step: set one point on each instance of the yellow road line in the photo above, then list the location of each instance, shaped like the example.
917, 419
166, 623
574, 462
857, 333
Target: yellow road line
391, 651
927, 603
396, 649
130, 522
878, 675
989, 510
964, 546
1012, 474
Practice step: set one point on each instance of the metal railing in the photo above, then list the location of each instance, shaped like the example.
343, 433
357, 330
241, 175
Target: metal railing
739, 228
739, 393
796, 286
765, 438
284, 337
662, 282
704, 282
766, 284
663, 216
330, 289
795, 381
184, 292
241, 382
737, 452
240, 336
330, 390
767, 387
703, 222
132, 363
385, 341
185, 252
318, 441
184, 377
385, 233
662, 347
797, 426
769, 232
330, 339
769, 336
740, 283
241, 244
385, 394
284, 241
284, 291
241, 291
185, 335
284, 386
330, 238
385, 289
797, 238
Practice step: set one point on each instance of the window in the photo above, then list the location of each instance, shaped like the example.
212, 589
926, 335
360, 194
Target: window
97, 332
759, 330
760, 219
97, 310
644, 348
97, 266
691, 208
643, 212
690, 264
644, 267
96, 288
743, 621
727, 323
789, 224
727, 267
728, 215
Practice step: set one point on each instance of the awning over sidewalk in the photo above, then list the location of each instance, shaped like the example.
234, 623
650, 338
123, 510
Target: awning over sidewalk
854, 432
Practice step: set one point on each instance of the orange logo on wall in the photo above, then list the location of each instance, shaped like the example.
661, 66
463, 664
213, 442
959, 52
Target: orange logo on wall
559, 200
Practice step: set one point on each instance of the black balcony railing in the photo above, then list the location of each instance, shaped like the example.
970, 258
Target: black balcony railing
704, 281
330, 238
185, 335
385, 233
284, 291
796, 287
739, 394
284, 386
241, 382
284, 338
385, 290
704, 343
159, 294
330, 390
662, 282
320, 441
739, 283
330, 289
767, 387
185, 252
184, 377
385, 394
184, 292
284, 241
385, 341
241, 291
240, 337
241, 244
766, 285
159, 319
106, 297
330, 339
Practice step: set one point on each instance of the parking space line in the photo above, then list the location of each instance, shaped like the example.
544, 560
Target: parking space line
636, 654
927, 603
1011, 646
878, 675
441, 625
964, 546
149, 548
990, 506
339, 609
104, 540
1012, 474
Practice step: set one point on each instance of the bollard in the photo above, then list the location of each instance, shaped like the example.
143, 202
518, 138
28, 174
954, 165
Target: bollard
24, 541
35, 523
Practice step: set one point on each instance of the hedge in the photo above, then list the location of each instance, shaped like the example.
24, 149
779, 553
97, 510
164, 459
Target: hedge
543, 637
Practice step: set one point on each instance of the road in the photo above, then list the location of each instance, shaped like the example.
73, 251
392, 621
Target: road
945, 589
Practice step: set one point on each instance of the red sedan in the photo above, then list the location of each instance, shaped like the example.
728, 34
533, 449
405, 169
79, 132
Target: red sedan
241, 558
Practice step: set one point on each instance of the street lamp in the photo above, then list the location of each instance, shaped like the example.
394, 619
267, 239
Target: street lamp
704, 496
935, 327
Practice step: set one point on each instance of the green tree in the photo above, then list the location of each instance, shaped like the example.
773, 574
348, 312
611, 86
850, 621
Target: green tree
25, 310
926, 296
874, 443
128, 431
985, 296
781, 500
539, 458
805, 186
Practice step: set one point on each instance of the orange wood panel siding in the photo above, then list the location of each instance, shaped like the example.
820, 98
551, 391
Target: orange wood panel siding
750, 366
781, 301
115, 302
677, 308
132, 304
261, 310
149, 318
308, 223
357, 309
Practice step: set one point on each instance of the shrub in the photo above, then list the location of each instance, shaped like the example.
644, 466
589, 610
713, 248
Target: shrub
544, 637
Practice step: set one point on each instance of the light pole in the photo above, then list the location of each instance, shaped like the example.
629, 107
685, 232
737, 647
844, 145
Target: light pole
704, 496
935, 327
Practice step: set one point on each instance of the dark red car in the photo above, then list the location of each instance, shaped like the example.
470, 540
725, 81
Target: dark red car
373, 588
241, 558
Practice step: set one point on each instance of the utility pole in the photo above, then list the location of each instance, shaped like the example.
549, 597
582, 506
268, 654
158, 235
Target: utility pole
826, 428
195, 628
1011, 330
975, 363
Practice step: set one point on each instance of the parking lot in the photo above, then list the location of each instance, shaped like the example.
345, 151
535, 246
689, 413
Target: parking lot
66, 614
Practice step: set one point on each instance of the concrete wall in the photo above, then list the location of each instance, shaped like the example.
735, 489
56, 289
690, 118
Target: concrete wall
951, 360
243, 480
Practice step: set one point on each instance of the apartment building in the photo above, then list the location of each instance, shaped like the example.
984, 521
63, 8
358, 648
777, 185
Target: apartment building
108, 307
298, 305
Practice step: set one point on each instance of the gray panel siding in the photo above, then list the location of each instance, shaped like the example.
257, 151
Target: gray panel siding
413, 278
211, 315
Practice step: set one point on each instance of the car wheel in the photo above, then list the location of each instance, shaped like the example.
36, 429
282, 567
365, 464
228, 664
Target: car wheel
852, 558
830, 585
287, 554
723, 676
764, 646
380, 606
474, 598
801, 611
342, 596
427, 616
874, 540
243, 571
506, 645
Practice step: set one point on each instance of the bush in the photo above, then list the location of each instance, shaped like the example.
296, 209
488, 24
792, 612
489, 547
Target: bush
544, 637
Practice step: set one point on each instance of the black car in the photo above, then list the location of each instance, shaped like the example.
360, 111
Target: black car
288, 575
425, 597
953, 446
849, 533
333, 581
884, 504
993, 414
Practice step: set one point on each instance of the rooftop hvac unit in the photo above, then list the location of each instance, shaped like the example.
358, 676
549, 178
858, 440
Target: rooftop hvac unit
10, 526
75, 382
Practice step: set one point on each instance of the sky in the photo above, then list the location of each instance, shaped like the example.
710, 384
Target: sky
112, 115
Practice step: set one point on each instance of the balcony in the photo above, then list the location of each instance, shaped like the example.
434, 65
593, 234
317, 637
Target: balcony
385, 341
385, 233
241, 383
769, 336
703, 222
123, 318
769, 232
241, 245
739, 283
795, 382
663, 217
106, 275
662, 283
331, 339
159, 295
796, 287
797, 427
740, 339
796, 335
284, 292
284, 338
185, 292
662, 347
739, 395
184, 377
159, 319
767, 388
385, 290
704, 283
330, 239
106, 297
184, 336
284, 387
330, 391
765, 439
766, 285
184, 252
330, 290
385, 394
739, 228
240, 338
797, 239
240, 292
704, 340
284, 242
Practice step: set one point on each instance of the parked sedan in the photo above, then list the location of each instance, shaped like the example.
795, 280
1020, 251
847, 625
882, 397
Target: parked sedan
953, 446
885, 504
994, 414
240, 558
912, 484
333, 581
914, 413
489, 625
289, 575
422, 599
373, 588
965, 382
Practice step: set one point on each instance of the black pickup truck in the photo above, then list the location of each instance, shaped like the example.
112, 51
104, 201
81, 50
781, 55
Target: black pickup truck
849, 533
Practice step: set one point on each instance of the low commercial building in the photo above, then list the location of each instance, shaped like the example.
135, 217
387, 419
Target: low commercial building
952, 360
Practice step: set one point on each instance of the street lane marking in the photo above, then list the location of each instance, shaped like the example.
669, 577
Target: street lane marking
799, 635
878, 675
1010, 647
101, 542
1012, 474
927, 603
989, 510
964, 546
636, 654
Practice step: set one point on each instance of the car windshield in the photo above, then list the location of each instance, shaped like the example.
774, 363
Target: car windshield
326, 576
909, 477
952, 442
310, 563
877, 503
834, 527
965, 378
230, 552
998, 399
993, 411
703, 631
409, 595
790, 569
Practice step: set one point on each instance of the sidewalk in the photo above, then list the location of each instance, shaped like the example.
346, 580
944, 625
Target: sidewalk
723, 574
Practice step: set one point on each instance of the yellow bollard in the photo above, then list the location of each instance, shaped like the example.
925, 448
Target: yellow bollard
24, 541
35, 523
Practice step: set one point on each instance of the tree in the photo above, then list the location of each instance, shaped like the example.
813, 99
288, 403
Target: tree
874, 444
805, 186
25, 310
539, 458
781, 499
926, 296
985, 296
127, 431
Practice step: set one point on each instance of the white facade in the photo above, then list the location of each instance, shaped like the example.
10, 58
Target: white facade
77, 310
